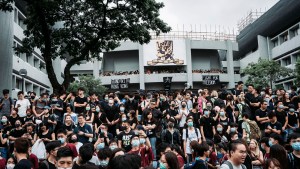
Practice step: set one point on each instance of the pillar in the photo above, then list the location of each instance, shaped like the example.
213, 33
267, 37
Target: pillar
141, 67
230, 66
189, 68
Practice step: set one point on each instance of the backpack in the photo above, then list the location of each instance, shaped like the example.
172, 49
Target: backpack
217, 102
254, 131
187, 134
231, 166
10, 102
291, 160
46, 163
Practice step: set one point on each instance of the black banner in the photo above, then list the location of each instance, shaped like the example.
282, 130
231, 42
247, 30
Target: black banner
120, 83
210, 79
167, 83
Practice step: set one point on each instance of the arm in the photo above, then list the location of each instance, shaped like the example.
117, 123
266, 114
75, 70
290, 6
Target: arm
261, 120
286, 123
120, 143
202, 133
3, 140
52, 136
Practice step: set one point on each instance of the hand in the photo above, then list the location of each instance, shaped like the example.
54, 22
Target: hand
269, 127
80, 133
283, 128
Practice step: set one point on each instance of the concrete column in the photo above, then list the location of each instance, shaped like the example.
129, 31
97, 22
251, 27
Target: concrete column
6, 50
141, 67
96, 66
262, 47
230, 66
57, 69
189, 62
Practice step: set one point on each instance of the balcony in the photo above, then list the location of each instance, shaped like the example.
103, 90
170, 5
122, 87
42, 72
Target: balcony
286, 47
106, 80
176, 77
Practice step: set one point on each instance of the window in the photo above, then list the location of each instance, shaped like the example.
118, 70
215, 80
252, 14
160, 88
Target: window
36, 63
287, 61
27, 58
275, 42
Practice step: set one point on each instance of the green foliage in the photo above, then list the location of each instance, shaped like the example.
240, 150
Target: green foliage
265, 72
297, 72
89, 83
80, 30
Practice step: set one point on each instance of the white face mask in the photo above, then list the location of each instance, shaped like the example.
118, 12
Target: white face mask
63, 168
10, 166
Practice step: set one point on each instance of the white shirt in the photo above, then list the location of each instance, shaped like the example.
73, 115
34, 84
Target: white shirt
25, 104
191, 137
184, 114
225, 166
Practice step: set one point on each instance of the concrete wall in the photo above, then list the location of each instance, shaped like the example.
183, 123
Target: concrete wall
121, 61
205, 59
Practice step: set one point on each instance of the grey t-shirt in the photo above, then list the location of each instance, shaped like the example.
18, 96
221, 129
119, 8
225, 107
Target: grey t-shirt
225, 166
6, 105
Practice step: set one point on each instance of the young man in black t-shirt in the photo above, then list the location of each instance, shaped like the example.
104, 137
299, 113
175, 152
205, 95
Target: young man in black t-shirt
80, 102
124, 138
21, 153
261, 115
273, 126
207, 127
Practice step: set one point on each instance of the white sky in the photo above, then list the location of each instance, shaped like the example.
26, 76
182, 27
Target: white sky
209, 13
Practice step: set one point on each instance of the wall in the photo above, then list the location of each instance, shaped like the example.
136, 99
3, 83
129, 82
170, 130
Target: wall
121, 61
205, 59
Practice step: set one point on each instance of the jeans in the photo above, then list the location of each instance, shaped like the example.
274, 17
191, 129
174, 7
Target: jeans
153, 146
3, 152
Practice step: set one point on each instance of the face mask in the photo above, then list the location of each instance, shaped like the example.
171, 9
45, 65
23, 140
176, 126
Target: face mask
113, 147
219, 129
206, 113
62, 140
219, 155
18, 125
32, 97
103, 163
171, 125
209, 107
124, 119
87, 108
183, 106
122, 109
128, 114
142, 140
190, 124
54, 100
162, 99
64, 168
28, 115
296, 146
292, 110
136, 132
44, 100
262, 147
222, 113
135, 143
106, 98
100, 146
270, 143
97, 110
281, 106
232, 130
197, 158
267, 99
130, 99
3, 120
10, 166
162, 166
173, 105
73, 140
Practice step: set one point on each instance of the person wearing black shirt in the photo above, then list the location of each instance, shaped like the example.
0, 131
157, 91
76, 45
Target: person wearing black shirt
131, 104
294, 156
15, 134
196, 116
111, 111
21, 153
207, 127
273, 126
51, 149
255, 102
57, 106
80, 102
83, 130
261, 115
124, 138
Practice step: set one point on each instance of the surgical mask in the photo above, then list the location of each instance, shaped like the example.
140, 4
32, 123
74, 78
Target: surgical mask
142, 140
281, 106
87, 108
183, 106
219, 155
128, 114
131, 99
190, 124
197, 158
270, 143
209, 107
262, 147
45, 100
10, 166
106, 98
124, 118
222, 113
292, 110
100, 146
219, 129
113, 147
97, 110
103, 163
162, 166
206, 113
135, 143
64, 168
296, 146
122, 109
232, 130
54, 100
3, 120
62, 140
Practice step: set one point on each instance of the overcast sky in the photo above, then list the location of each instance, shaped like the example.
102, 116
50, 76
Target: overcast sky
212, 13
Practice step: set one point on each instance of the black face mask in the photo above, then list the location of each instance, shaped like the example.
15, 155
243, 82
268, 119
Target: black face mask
171, 125
32, 97
183, 106
73, 140
18, 125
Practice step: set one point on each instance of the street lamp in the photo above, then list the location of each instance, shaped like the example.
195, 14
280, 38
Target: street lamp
23, 73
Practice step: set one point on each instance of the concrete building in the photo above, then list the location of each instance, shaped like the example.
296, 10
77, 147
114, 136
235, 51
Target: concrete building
11, 35
198, 52
274, 35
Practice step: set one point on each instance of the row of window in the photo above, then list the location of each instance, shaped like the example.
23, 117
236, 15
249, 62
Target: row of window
285, 36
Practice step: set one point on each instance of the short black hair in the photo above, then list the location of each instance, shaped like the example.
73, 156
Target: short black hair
64, 152
22, 145
246, 115
5, 91
277, 137
86, 152
61, 131
52, 145
293, 136
80, 115
233, 146
128, 161
271, 114
81, 89
20, 92
265, 140
202, 149
240, 82
104, 153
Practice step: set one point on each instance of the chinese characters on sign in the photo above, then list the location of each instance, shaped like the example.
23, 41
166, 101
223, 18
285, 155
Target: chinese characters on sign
120, 83
210, 80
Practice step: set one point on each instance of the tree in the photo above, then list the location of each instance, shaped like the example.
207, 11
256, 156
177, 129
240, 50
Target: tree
297, 72
77, 30
265, 72
89, 83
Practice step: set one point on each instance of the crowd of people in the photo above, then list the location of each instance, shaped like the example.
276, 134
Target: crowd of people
108, 73
235, 129
160, 71
209, 71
